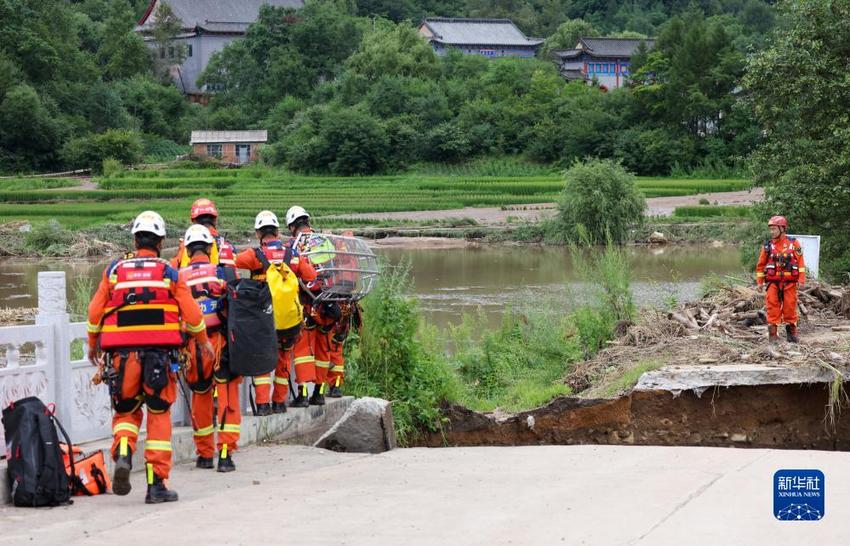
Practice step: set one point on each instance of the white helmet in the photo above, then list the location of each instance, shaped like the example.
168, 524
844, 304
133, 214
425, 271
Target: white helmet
266, 218
197, 234
149, 222
294, 213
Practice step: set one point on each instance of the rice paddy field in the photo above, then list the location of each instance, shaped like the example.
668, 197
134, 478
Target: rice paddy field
241, 193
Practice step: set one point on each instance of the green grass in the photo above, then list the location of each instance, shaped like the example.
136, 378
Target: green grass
241, 193
707, 211
629, 378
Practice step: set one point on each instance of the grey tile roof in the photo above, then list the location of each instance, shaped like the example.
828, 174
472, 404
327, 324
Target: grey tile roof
613, 47
573, 74
567, 53
215, 15
221, 137
453, 31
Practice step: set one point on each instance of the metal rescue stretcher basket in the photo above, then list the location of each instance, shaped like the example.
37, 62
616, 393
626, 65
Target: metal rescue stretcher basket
347, 267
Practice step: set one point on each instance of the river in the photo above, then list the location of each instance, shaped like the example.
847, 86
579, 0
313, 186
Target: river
451, 282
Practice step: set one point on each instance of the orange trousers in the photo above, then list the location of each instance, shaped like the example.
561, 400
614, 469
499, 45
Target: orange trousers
207, 392
128, 417
781, 304
305, 370
329, 356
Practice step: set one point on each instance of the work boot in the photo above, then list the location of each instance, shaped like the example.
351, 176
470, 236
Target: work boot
264, 409
301, 400
204, 462
318, 398
225, 464
158, 492
791, 333
335, 392
121, 476
278, 407
772, 335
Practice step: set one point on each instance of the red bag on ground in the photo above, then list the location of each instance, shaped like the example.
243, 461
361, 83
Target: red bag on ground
91, 476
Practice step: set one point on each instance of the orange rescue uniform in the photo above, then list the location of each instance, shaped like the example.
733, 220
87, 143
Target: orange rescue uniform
305, 366
129, 348
781, 266
207, 377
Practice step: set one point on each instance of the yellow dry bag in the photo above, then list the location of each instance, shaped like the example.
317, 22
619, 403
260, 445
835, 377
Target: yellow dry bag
283, 285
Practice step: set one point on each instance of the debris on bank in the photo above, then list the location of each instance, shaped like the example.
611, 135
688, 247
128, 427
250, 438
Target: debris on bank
726, 326
20, 238
13, 316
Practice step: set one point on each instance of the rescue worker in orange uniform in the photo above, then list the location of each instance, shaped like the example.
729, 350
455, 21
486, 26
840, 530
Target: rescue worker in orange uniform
781, 269
320, 322
267, 228
215, 393
205, 213
135, 318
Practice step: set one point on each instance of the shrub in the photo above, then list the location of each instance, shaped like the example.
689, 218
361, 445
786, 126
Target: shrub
344, 141
111, 167
601, 199
89, 151
389, 361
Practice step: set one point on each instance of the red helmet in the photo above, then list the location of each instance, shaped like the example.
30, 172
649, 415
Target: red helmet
202, 207
778, 221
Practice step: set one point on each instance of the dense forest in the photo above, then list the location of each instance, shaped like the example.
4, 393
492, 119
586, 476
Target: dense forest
350, 88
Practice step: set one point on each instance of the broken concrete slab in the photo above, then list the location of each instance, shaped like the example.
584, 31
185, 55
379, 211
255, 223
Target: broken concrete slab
366, 427
698, 378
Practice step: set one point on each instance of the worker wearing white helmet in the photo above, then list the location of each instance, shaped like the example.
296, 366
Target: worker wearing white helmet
208, 381
320, 322
134, 323
266, 226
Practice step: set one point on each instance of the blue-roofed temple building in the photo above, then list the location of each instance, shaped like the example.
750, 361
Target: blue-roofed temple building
604, 60
485, 37
206, 27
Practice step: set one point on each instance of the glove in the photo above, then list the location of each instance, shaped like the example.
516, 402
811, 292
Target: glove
95, 357
207, 351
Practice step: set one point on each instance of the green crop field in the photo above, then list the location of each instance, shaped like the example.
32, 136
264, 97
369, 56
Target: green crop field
240, 194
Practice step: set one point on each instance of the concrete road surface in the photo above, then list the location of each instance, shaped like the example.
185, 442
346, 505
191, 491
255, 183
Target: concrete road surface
505, 495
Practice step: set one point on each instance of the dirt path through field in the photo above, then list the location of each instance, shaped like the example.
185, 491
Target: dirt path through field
656, 206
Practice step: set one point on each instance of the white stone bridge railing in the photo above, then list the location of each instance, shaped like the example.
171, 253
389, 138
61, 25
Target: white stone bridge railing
36, 360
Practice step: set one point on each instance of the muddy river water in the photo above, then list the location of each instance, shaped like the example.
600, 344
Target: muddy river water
451, 282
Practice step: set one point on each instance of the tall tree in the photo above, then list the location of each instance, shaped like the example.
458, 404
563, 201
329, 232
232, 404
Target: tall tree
566, 36
168, 52
799, 92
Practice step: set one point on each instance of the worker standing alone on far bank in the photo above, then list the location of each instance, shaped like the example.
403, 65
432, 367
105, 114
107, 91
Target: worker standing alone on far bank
781, 269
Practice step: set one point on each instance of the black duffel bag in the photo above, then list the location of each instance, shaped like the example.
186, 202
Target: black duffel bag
251, 337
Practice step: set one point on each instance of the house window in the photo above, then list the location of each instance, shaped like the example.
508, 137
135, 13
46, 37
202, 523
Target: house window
599, 67
189, 50
162, 53
214, 150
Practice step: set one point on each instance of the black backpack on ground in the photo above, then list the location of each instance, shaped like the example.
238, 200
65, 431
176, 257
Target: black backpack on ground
36, 469
251, 336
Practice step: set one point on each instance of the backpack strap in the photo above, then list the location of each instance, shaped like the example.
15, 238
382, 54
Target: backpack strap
51, 462
261, 256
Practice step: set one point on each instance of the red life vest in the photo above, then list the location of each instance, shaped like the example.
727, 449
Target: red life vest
226, 253
276, 252
783, 264
207, 289
141, 311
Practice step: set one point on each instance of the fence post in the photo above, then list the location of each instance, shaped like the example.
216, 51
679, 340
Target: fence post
53, 315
